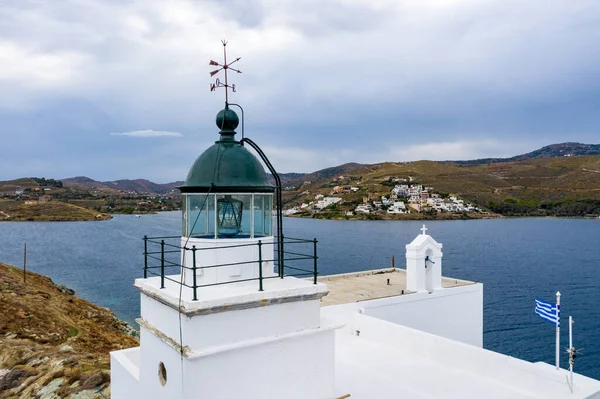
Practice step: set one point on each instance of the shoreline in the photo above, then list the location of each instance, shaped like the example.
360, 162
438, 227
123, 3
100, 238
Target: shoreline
402, 217
458, 217
58, 220
405, 217
103, 219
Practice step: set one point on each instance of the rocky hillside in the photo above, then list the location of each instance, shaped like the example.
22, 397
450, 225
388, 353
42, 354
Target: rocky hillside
53, 344
16, 211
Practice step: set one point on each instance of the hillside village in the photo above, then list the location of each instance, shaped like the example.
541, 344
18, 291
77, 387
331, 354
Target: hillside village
403, 198
36, 192
564, 185
558, 180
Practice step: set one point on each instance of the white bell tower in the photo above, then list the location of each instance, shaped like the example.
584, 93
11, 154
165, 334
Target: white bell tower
424, 263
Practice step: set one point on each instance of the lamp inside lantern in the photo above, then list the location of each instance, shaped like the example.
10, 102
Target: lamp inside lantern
229, 215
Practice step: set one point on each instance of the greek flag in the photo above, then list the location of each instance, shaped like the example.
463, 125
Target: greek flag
548, 311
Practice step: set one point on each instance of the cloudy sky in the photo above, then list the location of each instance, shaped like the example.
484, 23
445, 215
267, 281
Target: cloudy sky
115, 89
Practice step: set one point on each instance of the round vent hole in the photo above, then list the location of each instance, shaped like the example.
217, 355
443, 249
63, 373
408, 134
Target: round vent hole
162, 374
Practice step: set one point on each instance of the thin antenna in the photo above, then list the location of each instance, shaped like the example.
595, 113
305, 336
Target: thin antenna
224, 66
572, 352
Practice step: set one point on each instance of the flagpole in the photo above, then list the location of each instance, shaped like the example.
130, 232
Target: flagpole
558, 330
572, 354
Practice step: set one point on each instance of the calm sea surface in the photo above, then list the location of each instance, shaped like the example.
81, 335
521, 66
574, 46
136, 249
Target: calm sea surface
516, 259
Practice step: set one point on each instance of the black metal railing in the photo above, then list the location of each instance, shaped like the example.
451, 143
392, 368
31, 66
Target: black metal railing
162, 254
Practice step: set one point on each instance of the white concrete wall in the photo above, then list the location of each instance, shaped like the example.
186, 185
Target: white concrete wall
124, 373
296, 366
154, 351
209, 254
455, 313
162, 317
273, 350
232, 326
539, 379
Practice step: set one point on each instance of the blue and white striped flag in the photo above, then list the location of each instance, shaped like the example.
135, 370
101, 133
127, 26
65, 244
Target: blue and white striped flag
548, 311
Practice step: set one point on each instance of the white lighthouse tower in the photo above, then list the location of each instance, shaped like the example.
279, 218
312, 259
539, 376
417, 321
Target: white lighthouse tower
219, 317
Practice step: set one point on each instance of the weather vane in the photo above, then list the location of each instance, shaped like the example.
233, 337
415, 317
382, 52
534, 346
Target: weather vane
225, 66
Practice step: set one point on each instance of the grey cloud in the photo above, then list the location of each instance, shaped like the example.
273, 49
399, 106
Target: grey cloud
148, 133
315, 72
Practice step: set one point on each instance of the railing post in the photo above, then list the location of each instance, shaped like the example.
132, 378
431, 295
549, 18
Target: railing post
280, 256
315, 273
194, 271
145, 256
162, 263
260, 261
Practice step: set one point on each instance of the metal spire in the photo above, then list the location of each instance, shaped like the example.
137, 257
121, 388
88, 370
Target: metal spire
225, 66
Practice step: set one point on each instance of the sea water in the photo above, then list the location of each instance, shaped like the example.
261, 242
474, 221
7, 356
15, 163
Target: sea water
515, 259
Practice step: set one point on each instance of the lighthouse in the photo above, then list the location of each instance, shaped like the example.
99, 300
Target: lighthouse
224, 312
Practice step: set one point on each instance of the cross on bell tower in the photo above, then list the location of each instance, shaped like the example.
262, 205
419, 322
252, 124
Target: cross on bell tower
424, 229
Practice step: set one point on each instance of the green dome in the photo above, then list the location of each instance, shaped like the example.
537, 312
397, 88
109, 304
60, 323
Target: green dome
227, 166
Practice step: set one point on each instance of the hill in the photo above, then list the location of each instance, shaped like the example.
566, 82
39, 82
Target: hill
126, 185
298, 179
550, 151
556, 179
53, 343
83, 182
14, 211
30, 183
287, 179
555, 186
121, 196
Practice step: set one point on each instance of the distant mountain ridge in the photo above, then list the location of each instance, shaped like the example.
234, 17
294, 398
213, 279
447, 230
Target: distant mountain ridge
549, 151
137, 185
298, 179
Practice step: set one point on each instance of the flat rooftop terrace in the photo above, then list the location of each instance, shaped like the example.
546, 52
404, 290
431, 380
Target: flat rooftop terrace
372, 284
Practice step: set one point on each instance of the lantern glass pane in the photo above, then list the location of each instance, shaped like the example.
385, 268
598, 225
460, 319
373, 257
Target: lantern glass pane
184, 211
263, 211
199, 212
268, 215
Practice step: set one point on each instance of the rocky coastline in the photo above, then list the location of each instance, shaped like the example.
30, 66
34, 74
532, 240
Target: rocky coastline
52, 343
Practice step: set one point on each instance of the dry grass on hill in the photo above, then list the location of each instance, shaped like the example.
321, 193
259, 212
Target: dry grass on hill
51, 342
541, 180
47, 211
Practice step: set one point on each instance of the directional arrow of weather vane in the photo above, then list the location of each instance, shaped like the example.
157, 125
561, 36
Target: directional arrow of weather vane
223, 67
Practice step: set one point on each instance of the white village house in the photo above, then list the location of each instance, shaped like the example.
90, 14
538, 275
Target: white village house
234, 321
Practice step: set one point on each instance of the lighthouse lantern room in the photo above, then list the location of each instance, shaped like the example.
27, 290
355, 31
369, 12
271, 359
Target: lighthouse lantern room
227, 203
227, 193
